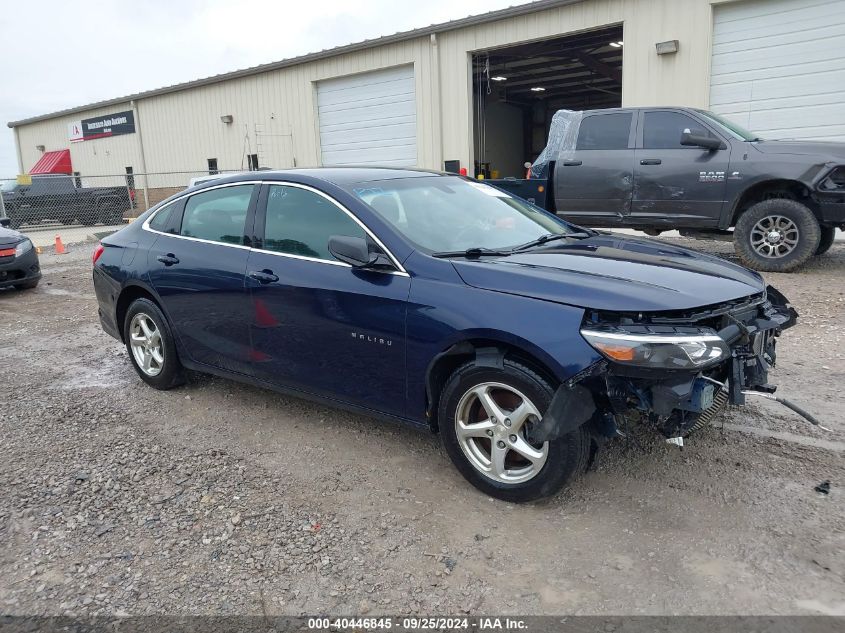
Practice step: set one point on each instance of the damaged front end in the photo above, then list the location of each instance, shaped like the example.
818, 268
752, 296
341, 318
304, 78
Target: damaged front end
675, 370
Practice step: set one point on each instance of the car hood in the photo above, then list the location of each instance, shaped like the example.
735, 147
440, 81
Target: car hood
8, 236
826, 149
614, 273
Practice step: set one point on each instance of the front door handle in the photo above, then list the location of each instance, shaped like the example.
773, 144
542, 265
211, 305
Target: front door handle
264, 276
572, 163
650, 161
168, 260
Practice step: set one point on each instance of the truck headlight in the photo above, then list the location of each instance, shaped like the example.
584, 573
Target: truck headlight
659, 351
22, 248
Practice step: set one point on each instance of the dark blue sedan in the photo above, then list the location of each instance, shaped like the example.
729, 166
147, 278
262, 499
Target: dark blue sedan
440, 301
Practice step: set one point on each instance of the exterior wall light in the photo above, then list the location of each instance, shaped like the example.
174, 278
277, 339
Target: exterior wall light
227, 118
40, 148
667, 48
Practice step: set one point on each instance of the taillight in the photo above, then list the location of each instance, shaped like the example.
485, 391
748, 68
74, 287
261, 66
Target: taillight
97, 252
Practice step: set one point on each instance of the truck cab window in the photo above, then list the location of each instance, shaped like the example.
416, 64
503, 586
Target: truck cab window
605, 131
663, 129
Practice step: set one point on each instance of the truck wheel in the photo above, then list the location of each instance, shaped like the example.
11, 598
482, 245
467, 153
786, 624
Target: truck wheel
828, 233
88, 218
485, 413
776, 235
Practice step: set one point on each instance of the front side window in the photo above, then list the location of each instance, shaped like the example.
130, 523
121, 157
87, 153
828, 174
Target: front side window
663, 130
605, 131
440, 213
300, 222
218, 215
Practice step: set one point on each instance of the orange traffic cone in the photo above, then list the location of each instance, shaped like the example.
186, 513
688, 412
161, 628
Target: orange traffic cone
60, 248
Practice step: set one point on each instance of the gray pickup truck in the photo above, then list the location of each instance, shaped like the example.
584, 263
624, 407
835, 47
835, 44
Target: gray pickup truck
658, 169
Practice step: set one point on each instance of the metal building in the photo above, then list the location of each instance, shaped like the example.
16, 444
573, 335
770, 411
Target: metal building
476, 93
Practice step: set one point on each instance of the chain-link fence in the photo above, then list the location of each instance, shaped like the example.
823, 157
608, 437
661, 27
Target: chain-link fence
55, 200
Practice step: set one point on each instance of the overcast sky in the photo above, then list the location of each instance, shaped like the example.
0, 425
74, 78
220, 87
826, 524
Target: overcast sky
60, 54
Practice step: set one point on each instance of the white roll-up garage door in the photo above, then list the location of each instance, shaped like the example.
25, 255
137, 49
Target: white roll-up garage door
779, 67
369, 119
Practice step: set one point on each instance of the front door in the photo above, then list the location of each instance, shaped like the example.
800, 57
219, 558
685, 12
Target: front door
676, 184
593, 185
198, 266
317, 324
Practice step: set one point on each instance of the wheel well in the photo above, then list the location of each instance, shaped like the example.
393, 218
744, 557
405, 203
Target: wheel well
789, 189
448, 361
127, 296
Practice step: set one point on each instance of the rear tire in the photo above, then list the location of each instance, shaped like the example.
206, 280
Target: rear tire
828, 234
464, 418
776, 235
155, 359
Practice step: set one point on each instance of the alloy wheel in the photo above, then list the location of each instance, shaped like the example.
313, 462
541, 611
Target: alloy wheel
147, 348
491, 424
774, 236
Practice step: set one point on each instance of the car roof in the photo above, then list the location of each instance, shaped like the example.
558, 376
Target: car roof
334, 175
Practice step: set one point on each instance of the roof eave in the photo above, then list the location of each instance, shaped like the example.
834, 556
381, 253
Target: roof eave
492, 16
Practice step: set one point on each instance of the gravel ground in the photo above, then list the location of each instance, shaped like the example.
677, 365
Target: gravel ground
220, 498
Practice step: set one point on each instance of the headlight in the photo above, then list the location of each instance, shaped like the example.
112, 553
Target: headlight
659, 351
23, 248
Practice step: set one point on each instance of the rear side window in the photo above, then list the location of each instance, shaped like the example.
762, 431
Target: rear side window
605, 131
218, 215
663, 130
51, 184
300, 222
161, 220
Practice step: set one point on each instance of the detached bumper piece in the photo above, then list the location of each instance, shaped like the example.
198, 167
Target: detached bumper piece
674, 398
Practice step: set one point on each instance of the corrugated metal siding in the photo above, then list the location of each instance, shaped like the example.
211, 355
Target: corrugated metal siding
104, 156
275, 113
779, 67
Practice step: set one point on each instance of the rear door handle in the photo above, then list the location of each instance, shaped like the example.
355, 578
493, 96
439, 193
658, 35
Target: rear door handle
263, 276
168, 260
650, 161
572, 163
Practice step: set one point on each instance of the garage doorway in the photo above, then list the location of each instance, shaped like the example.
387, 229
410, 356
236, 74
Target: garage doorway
517, 89
369, 118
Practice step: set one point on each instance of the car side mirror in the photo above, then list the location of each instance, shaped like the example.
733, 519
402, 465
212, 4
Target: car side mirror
699, 140
352, 250
5, 222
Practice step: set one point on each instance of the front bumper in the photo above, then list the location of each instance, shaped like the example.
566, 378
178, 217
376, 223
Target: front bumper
19, 270
675, 401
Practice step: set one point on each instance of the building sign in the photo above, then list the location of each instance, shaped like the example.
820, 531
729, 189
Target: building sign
102, 126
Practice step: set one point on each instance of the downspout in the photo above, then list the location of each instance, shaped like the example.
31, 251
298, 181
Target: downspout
437, 111
18, 148
134, 107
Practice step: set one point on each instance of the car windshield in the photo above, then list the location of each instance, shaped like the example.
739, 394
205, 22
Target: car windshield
737, 131
443, 214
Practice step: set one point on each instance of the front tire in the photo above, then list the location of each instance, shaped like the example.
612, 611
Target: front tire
484, 414
776, 235
151, 346
28, 285
828, 234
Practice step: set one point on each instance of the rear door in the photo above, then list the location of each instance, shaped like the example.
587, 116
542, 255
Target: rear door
198, 266
317, 324
675, 184
594, 184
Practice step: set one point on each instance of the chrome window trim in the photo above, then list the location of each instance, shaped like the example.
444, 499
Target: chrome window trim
400, 270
